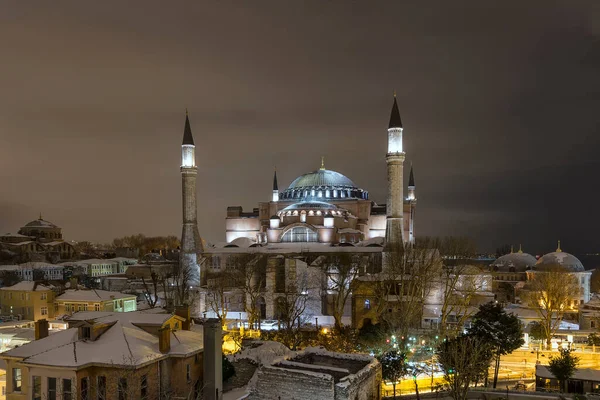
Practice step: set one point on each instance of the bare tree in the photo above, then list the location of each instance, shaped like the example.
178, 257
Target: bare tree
151, 293
251, 276
551, 293
405, 282
460, 282
218, 286
464, 360
340, 271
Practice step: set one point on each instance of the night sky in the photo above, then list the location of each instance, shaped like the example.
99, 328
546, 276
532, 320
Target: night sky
500, 103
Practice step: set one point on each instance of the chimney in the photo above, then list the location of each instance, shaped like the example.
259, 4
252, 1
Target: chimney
213, 359
184, 312
164, 339
41, 329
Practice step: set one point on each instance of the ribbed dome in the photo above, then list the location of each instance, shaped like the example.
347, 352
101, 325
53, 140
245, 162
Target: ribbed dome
323, 185
519, 261
322, 177
40, 223
559, 259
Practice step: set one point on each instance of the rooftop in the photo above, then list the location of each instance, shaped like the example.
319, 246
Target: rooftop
92, 295
123, 343
28, 286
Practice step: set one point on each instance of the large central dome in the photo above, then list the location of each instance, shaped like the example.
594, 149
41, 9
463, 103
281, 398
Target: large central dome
322, 177
323, 184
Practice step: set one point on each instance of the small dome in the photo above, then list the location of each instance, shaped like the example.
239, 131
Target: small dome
559, 259
519, 261
274, 217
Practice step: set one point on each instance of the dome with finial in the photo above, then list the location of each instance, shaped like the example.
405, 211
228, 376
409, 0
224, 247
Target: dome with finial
323, 184
559, 260
514, 262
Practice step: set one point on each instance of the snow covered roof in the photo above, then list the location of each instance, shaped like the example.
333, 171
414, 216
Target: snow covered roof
584, 374
290, 248
559, 259
519, 261
28, 286
14, 235
123, 343
92, 295
40, 223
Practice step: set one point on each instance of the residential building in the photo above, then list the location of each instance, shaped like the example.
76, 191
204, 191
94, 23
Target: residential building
28, 300
35, 271
109, 356
74, 300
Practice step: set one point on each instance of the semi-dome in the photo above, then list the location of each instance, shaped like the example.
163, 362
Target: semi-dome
559, 259
514, 262
308, 205
323, 184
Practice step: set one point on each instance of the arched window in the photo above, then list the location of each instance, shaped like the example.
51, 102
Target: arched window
299, 234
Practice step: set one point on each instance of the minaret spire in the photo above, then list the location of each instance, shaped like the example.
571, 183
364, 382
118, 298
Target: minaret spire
558, 249
322, 162
191, 245
187, 131
395, 120
275, 187
394, 231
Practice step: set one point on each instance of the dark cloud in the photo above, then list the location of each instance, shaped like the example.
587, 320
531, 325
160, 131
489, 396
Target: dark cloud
499, 104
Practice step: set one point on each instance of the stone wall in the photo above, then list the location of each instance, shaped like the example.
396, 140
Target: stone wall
278, 383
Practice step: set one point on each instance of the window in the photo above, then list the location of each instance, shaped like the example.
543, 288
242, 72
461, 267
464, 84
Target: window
367, 304
44, 310
101, 388
144, 387
188, 372
51, 388
67, 389
84, 390
37, 388
22, 296
592, 324
86, 332
299, 234
28, 296
44, 296
16, 379
122, 388
97, 307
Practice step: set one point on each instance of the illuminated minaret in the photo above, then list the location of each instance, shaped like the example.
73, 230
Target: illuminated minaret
191, 245
394, 229
275, 187
412, 198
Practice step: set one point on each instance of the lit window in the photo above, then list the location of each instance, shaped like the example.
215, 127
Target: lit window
367, 304
43, 296
44, 310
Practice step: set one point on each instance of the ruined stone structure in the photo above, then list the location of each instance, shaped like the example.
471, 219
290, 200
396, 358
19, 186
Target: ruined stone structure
315, 374
191, 245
